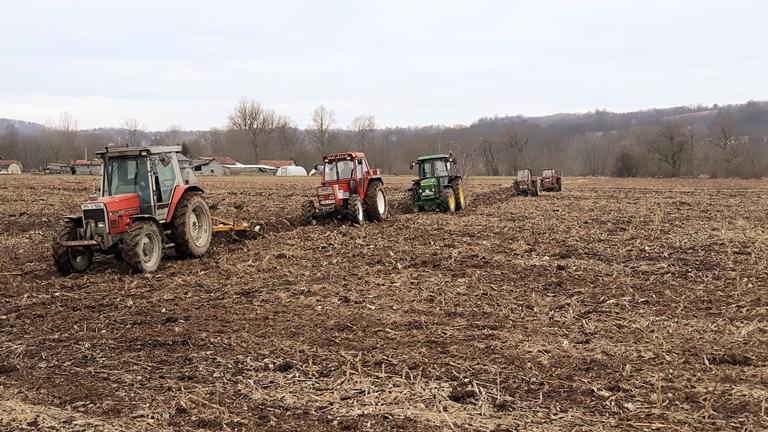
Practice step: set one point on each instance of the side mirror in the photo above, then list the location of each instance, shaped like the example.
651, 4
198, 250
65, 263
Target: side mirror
165, 159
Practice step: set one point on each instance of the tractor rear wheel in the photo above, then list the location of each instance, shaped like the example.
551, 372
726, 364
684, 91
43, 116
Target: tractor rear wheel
534, 190
559, 186
354, 210
458, 190
376, 206
307, 212
448, 200
192, 226
69, 260
143, 246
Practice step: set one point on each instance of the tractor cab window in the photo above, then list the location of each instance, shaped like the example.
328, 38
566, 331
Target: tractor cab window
360, 169
522, 175
441, 169
166, 180
426, 170
339, 170
549, 173
130, 175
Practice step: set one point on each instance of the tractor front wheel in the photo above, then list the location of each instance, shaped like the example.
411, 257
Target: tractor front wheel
448, 200
355, 210
69, 260
143, 246
411, 200
376, 206
192, 226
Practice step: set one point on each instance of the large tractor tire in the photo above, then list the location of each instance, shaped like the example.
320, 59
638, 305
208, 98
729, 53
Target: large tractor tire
354, 210
376, 205
192, 226
534, 190
458, 190
410, 201
307, 212
559, 186
448, 200
69, 260
143, 246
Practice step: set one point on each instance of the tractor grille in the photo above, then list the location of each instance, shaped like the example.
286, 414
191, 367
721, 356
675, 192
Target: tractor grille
96, 215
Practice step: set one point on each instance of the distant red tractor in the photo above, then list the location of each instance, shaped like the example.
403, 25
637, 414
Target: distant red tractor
145, 204
551, 181
349, 189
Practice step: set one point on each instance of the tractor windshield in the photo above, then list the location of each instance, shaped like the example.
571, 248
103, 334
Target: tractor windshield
338, 170
130, 175
549, 173
433, 168
522, 175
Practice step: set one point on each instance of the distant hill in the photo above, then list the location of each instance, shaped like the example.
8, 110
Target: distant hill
24, 127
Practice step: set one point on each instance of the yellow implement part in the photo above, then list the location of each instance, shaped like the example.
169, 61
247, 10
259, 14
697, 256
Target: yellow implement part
225, 226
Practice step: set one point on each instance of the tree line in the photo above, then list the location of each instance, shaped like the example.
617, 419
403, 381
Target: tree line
717, 141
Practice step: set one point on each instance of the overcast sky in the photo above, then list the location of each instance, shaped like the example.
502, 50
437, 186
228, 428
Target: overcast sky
405, 62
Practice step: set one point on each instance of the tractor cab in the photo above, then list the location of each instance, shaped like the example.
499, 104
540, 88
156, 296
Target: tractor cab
149, 175
525, 183
438, 185
349, 188
344, 174
551, 181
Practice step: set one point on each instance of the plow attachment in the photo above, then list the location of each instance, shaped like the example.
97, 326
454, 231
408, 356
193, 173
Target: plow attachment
250, 231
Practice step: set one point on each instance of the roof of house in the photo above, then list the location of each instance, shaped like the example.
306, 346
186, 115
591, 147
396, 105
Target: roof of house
8, 162
224, 160
276, 163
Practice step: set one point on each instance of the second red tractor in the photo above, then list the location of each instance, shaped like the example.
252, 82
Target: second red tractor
349, 189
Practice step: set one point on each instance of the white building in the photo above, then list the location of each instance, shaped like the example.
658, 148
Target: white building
10, 166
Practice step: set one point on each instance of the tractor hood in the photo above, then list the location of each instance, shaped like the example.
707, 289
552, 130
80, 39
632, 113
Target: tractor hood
429, 188
121, 201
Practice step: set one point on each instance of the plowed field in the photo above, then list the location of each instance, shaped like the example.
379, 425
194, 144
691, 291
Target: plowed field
616, 304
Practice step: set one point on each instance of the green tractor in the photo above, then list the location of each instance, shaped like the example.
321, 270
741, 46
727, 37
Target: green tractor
438, 187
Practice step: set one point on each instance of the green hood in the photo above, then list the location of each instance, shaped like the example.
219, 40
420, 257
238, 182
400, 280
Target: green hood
428, 188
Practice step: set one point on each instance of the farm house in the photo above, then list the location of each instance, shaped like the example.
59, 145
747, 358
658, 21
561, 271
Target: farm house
211, 165
10, 166
86, 167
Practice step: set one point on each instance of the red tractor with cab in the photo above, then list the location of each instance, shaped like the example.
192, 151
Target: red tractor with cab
145, 204
551, 181
349, 189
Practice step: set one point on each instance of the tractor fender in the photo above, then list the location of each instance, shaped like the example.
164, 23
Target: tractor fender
148, 218
178, 193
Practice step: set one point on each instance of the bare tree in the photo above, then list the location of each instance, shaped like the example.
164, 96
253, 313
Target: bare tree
173, 134
132, 129
489, 157
363, 130
287, 137
517, 144
723, 134
670, 146
254, 120
320, 131
66, 132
